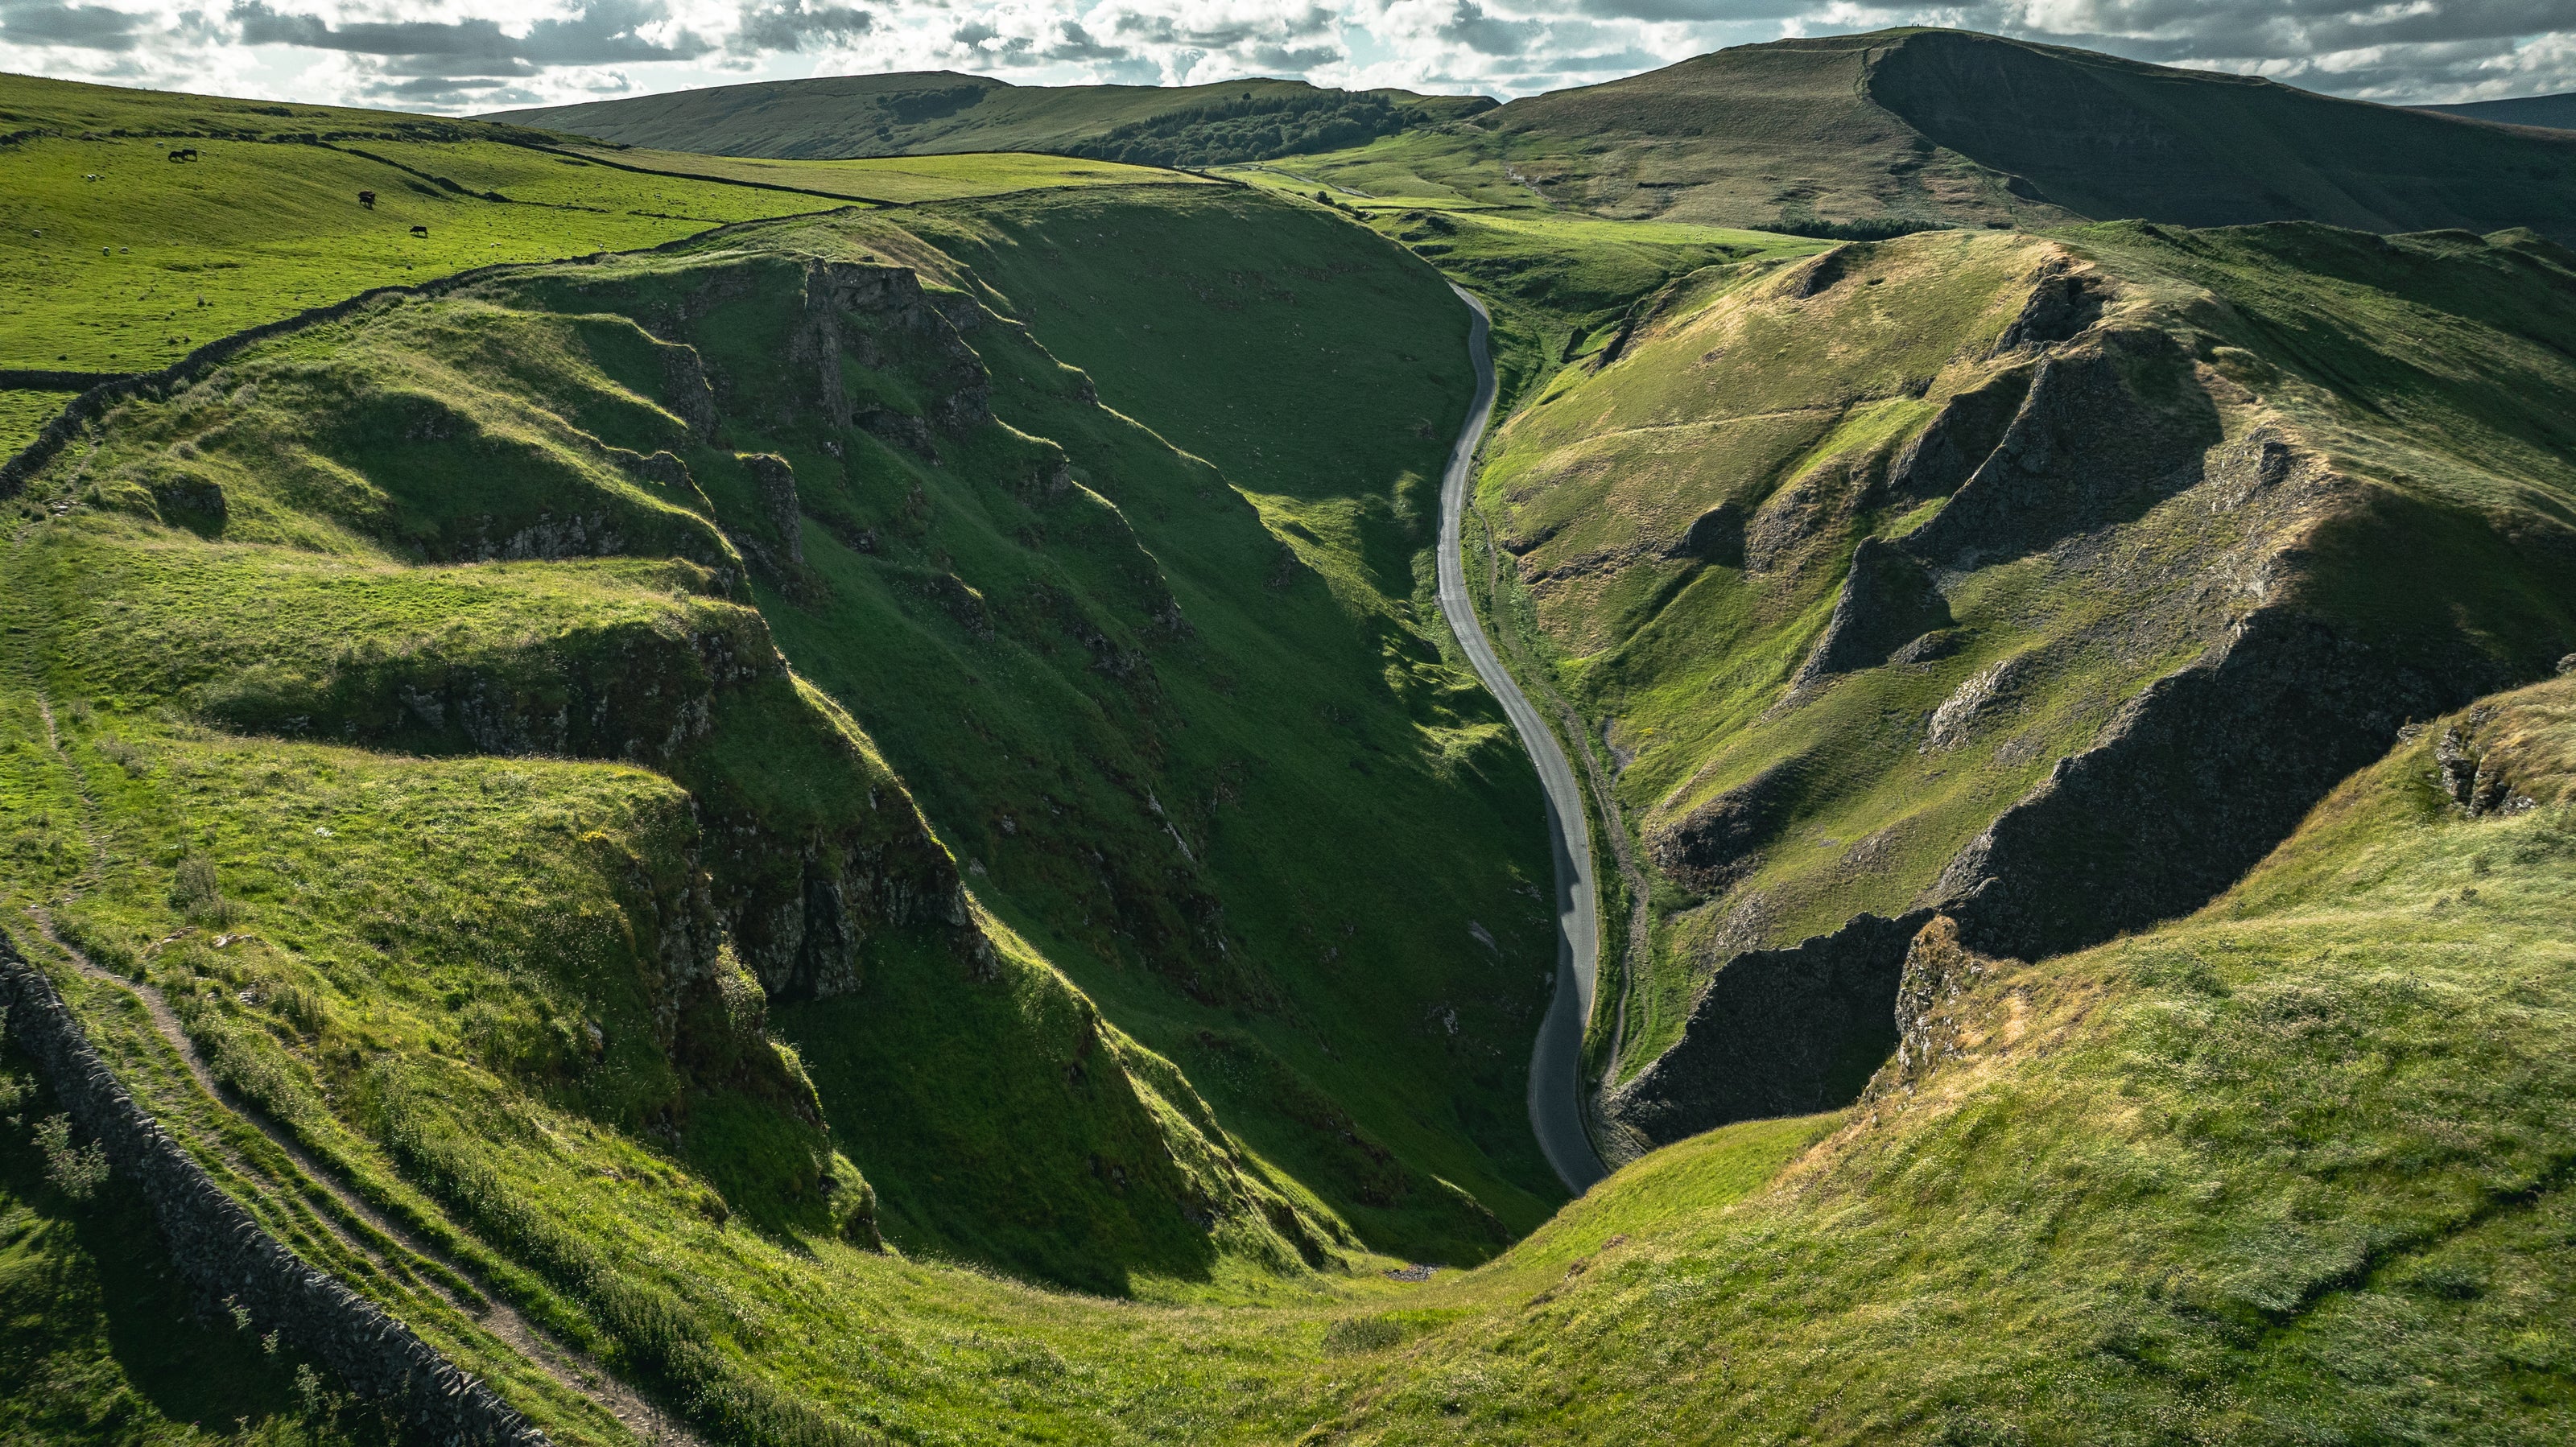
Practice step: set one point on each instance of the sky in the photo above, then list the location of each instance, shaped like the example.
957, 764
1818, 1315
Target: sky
465, 56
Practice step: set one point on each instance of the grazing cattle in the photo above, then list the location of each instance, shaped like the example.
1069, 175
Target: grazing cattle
184, 153
367, 199
420, 231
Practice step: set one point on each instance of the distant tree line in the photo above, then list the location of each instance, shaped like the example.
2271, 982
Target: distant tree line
1249, 128
1869, 228
912, 107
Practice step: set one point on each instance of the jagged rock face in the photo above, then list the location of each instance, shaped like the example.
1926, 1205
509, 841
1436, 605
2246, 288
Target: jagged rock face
804, 941
1985, 692
1939, 971
639, 694
1719, 842
2063, 301
1777, 1032
777, 483
1715, 536
1800, 521
877, 316
2195, 780
686, 392
1960, 437
1888, 601
2084, 451
2492, 761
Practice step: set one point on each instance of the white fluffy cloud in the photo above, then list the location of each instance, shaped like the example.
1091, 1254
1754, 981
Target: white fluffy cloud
471, 55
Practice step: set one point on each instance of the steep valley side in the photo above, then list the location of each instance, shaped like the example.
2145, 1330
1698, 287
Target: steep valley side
665, 772
2044, 582
866, 828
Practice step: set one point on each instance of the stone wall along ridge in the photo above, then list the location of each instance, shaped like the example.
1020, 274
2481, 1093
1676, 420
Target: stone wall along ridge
223, 1251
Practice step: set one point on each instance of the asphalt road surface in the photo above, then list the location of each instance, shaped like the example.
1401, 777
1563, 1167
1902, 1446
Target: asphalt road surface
1555, 1090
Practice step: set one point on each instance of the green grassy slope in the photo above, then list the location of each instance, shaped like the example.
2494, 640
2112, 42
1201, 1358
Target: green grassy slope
519, 1001
2293, 1169
930, 112
899, 179
117, 259
33, 105
1557, 282
495, 724
2290, 1168
133, 270
1860, 135
1301, 695
1676, 532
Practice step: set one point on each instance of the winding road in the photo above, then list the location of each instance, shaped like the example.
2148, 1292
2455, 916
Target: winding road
1555, 1087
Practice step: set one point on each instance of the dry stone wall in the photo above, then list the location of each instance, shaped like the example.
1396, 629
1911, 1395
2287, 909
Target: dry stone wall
224, 1252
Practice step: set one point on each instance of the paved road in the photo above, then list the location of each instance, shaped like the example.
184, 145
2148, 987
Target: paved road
1555, 1099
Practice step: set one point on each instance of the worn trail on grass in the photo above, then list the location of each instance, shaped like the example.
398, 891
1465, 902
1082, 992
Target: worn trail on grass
571, 1369
1555, 1085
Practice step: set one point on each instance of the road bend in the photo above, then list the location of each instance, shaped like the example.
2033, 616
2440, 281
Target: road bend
1555, 1084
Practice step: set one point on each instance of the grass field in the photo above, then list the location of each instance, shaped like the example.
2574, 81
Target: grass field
115, 259
131, 271
1449, 166
895, 179
24, 412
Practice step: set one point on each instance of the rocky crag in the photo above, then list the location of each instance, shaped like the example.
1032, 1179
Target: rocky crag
2066, 612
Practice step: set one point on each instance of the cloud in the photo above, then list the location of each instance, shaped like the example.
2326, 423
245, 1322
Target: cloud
2396, 50
1487, 34
1696, 11
484, 54
82, 27
601, 32
790, 26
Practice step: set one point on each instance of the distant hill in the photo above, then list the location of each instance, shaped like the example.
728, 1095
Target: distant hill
36, 105
2552, 112
1860, 133
943, 111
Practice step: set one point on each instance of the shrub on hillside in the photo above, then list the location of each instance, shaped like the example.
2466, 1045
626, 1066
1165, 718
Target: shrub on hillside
76, 1171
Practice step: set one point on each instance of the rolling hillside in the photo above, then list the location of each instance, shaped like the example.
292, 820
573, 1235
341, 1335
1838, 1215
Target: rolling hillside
761, 819
565, 685
2291, 1169
138, 226
931, 112
1861, 135
2041, 580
